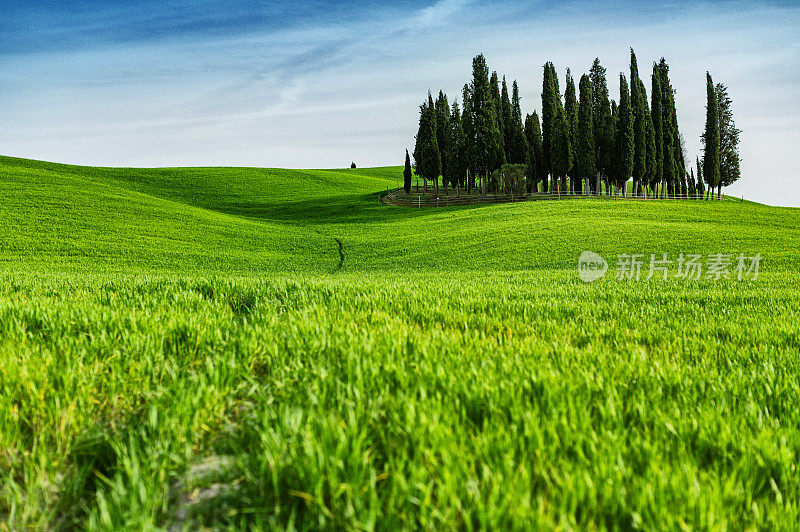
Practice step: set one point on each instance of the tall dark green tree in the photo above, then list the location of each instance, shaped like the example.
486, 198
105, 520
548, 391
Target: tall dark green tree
612, 178
639, 111
625, 141
468, 125
571, 114
699, 178
584, 150
666, 126
650, 145
670, 170
497, 100
407, 174
561, 156
536, 167
457, 156
487, 144
549, 96
443, 135
674, 166
562, 159
710, 139
506, 113
426, 152
603, 125
729, 164
517, 152
658, 130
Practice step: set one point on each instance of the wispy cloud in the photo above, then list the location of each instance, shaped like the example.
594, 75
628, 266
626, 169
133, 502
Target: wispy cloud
439, 13
331, 83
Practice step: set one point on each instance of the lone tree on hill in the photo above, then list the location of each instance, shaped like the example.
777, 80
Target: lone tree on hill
407, 174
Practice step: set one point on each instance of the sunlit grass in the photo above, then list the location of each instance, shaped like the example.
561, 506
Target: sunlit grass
171, 357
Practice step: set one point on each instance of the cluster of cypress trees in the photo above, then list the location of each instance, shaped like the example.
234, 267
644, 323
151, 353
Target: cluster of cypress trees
585, 142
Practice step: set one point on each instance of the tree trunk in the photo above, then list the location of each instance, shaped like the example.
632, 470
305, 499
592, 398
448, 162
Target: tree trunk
719, 191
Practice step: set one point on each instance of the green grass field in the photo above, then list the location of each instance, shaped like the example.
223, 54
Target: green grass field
237, 347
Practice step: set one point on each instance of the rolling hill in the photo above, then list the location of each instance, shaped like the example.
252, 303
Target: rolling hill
267, 348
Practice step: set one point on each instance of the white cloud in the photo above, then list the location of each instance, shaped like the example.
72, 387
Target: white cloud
322, 96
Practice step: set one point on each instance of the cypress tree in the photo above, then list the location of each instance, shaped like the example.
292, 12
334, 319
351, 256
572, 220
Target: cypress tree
518, 143
497, 157
669, 148
674, 166
613, 174
407, 174
638, 112
650, 143
536, 167
418, 138
457, 158
548, 122
625, 141
443, 135
711, 167
560, 157
729, 165
488, 140
468, 125
426, 154
497, 102
481, 111
603, 125
658, 132
699, 178
571, 114
584, 151
507, 118
562, 160
668, 122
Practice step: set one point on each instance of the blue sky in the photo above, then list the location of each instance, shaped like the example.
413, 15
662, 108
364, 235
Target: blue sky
318, 84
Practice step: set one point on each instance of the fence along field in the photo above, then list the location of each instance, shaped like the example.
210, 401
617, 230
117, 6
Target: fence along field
179, 349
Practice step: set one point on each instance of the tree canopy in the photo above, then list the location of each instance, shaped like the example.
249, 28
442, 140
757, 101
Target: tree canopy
579, 140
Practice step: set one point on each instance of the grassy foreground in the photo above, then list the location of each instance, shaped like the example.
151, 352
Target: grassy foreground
186, 347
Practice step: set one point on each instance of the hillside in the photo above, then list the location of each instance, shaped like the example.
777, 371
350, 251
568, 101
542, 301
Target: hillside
248, 219
185, 347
